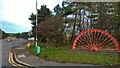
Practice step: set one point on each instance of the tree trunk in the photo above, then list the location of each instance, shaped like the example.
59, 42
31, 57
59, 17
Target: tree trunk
73, 32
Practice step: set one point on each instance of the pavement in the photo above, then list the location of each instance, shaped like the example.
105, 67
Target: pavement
25, 58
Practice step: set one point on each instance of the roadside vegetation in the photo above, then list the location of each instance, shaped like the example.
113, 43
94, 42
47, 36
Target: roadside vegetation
59, 28
4, 35
65, 55
69, 19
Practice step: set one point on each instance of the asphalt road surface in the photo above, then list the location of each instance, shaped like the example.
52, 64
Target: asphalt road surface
6, 46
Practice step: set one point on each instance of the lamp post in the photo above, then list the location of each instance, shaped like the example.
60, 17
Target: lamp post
37, 47
36, 26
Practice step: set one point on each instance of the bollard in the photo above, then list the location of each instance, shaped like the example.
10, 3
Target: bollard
29, 44
37, 50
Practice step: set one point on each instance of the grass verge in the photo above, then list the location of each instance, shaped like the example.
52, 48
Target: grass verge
60, 54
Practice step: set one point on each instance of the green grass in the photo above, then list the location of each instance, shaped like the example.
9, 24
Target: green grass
60, 54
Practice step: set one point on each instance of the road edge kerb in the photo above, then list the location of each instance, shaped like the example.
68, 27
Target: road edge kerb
20, 62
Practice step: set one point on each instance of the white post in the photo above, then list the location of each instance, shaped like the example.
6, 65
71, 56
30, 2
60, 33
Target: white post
36, 25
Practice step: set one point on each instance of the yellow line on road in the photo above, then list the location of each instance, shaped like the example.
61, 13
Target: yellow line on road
11, 61
9, 57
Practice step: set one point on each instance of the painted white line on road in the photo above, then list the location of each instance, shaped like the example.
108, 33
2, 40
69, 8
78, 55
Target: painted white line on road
21, 56
20, 48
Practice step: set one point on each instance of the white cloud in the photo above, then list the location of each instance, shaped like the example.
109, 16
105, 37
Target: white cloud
18, 11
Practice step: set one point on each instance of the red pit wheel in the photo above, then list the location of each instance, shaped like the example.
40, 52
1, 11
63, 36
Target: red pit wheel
95, 40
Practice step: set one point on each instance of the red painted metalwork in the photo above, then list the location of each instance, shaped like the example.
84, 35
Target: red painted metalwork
95, 40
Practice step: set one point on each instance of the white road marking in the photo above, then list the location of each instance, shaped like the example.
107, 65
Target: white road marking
21, 56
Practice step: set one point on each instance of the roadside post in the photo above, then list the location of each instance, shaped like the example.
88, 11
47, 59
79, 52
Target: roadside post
37, 50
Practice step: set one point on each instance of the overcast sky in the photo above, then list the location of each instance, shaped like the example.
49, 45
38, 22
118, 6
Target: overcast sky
17, 12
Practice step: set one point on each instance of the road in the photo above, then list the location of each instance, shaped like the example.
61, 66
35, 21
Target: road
6, 46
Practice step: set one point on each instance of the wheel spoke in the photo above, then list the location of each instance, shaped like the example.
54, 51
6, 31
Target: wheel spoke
102, 39
83, 41
83, 45
107, 45
87, 38
95, 39
104, 43
86, 41
99, 38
